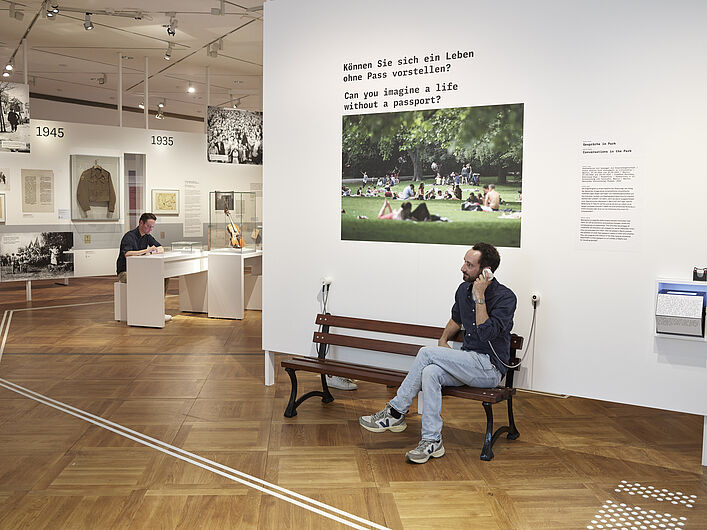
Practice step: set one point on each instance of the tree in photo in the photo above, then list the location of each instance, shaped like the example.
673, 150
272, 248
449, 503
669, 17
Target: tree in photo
491, 136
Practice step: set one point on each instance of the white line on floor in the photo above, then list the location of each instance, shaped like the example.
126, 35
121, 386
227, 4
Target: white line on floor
5, 331
214, 467
59, 306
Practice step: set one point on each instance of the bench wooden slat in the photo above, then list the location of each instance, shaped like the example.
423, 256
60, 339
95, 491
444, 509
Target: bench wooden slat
382, 326
375, 374
353, 371
363, 343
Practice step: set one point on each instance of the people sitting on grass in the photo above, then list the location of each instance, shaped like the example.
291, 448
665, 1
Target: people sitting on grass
421, 192
359, 192
407, 193
458, 192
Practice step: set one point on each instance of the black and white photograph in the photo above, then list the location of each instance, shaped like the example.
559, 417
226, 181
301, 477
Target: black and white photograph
36, 256
14, 117
223, 200
234, 136
4, 179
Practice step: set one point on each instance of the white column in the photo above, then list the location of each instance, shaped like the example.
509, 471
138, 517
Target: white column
147, 100
704, 444
120, 89
24, 60
269, 368
208, 100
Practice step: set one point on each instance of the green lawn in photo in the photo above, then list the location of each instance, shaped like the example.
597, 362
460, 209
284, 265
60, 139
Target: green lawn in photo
464, 228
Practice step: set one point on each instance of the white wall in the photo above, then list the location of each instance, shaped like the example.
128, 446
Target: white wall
167, 167
619, 70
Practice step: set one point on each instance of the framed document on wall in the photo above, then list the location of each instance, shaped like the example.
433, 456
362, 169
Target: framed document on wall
165, 202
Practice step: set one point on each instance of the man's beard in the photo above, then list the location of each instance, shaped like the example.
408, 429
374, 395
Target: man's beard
467, 278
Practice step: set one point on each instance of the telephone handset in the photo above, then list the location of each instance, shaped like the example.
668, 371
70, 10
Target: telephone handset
487, 273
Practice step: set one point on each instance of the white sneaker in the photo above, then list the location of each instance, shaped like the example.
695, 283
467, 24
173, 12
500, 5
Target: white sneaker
342, 383
167, 318
424, 450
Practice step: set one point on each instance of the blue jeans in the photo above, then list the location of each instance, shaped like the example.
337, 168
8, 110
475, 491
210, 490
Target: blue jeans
435, 367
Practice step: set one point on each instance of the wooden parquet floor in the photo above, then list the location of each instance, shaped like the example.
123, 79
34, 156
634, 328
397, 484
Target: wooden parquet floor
198, 385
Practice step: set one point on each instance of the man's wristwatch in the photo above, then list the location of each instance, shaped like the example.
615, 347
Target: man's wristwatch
480, 301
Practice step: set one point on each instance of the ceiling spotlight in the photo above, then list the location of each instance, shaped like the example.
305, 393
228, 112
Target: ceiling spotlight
55, 9
6, 74
172, 26
159, 115
191, 89
141, 105
168, 52
87, 24
160, 105
9, 66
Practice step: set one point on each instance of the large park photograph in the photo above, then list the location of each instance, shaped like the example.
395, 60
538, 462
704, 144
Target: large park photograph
445, 176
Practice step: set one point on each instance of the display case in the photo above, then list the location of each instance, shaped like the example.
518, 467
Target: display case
680, 309
234, 222
186, 246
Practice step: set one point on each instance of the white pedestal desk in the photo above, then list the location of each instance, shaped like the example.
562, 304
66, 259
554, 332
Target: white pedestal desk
230, 291
146, 285
209, 282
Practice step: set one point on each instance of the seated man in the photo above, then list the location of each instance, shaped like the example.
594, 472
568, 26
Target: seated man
485, 308
139, 242
493, 198
407, 193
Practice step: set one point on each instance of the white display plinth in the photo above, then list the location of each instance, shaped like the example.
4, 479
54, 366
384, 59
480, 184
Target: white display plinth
230, 293
146, 285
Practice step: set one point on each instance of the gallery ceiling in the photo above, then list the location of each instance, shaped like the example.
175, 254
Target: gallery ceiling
65, 60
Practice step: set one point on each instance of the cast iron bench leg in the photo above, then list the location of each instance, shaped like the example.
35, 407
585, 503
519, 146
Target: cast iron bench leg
291, 409
324, 393
486, 452
512, 431
326, 397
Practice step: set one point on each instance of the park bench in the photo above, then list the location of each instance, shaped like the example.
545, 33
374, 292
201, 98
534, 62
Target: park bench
398, 333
